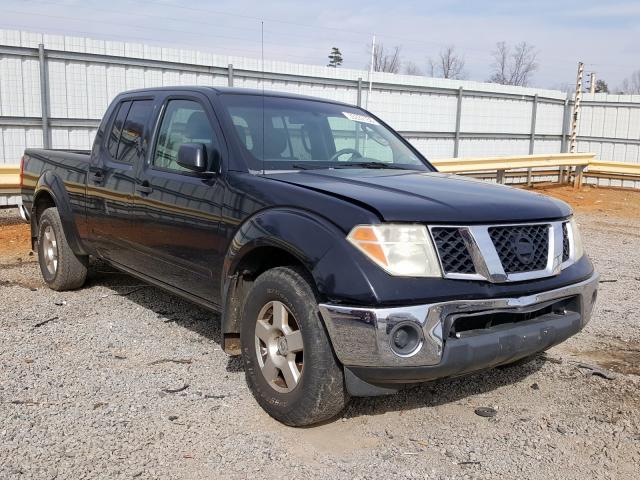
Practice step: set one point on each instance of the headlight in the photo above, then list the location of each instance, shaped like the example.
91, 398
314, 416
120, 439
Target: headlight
575, 239
403, 250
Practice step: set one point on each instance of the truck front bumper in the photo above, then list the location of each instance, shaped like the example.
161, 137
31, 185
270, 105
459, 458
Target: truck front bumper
455, 337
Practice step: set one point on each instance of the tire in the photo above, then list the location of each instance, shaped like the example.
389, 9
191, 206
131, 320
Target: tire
318, 393
61, 268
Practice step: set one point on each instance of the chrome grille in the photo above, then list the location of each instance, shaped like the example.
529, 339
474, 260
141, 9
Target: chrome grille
566, 252
521, 248
502, 253
453, 252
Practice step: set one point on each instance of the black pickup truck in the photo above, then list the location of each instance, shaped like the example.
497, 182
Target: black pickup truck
342, 263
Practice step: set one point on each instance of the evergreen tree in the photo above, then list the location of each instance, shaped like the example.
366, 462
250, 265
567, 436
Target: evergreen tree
335, 58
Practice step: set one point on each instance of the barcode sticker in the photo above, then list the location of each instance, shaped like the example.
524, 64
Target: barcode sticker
356, 117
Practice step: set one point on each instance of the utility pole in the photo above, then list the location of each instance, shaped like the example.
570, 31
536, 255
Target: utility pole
573, 141
373, 49
592, 82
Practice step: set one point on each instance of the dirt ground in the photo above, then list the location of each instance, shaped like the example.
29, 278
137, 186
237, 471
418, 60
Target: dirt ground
122, 380
606, 202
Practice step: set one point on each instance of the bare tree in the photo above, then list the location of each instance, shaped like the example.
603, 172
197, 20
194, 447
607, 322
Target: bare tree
514, 67
385, 60
411, 68
448, 64
601, 86
631, 85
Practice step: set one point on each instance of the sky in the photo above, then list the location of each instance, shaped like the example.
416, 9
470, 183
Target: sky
602, 34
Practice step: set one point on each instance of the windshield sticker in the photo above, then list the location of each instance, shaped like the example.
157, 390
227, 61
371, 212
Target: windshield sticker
356, 117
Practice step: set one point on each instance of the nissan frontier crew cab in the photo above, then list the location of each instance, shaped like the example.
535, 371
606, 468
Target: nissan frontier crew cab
342, 263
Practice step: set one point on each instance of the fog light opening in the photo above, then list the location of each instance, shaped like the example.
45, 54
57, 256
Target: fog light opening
405, 339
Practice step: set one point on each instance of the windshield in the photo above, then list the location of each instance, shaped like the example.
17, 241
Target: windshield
307, 134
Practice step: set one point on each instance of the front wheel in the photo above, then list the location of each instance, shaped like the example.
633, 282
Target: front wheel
289, 363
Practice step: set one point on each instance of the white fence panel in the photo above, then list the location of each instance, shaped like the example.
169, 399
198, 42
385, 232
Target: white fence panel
443, 118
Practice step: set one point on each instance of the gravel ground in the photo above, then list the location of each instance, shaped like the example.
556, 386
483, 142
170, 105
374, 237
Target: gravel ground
121, 380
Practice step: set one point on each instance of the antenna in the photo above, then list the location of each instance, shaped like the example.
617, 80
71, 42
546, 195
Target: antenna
373, 50
262, 83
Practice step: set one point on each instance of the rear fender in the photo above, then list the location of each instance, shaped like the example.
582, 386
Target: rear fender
50, 183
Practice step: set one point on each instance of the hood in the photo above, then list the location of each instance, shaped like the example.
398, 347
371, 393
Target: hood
429, 197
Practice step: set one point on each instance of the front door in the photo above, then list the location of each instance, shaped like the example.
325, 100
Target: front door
111, 180
177, 211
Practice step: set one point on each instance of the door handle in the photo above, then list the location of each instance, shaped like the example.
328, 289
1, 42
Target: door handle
144, 189
97, 178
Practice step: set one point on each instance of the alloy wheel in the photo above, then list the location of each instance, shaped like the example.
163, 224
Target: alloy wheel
50, 250
279, 348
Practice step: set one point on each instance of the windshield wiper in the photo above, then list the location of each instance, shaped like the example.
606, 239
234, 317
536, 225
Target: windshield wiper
378, 165
307, 167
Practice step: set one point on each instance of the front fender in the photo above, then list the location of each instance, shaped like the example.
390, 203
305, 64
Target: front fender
318, 245
52, 184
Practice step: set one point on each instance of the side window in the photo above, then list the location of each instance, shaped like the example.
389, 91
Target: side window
184, 121
116, 129
132, 132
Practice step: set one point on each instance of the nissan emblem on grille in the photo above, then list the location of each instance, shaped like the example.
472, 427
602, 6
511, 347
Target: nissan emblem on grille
523, 248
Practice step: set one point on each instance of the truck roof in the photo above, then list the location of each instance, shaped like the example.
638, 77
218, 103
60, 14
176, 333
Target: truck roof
233, 90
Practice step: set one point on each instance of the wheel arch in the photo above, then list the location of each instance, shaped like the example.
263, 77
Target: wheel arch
50, 192
286, 237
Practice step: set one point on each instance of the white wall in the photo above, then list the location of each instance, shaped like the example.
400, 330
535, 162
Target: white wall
495, 119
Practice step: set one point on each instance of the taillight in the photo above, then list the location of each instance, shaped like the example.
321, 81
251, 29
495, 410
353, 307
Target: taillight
22, 171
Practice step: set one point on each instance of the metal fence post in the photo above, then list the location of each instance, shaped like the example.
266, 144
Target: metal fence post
534, 113
230, 74
359, 97
532, 137
565, 126
456, 142
44, 97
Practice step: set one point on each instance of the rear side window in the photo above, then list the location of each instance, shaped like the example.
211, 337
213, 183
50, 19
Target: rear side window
131, 137
116, 129
184, 121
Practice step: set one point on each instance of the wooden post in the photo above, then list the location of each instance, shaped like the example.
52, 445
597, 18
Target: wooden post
500, 176
577, 181
573, 139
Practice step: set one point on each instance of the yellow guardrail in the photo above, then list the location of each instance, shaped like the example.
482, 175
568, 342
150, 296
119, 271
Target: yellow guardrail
9, 178
614, 168
465, 165
10, 174
576, 161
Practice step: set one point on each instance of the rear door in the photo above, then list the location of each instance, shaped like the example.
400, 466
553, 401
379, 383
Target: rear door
112, 175
177, 211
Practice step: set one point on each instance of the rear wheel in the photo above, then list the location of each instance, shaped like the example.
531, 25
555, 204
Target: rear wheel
61, 268
289, 363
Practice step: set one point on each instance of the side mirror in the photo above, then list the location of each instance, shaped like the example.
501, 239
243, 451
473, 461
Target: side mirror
193, 156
